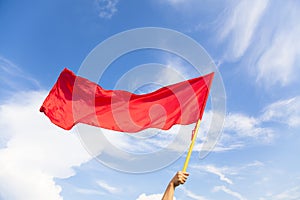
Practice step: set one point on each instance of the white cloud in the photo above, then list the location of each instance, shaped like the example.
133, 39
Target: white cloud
290, 194
13, 78
261, 35
238, 130
244, 126
146, 141
191, 194
107, 187
149, 152
284, 111
228, 191
228, 174
279, 61
265, 35
217, 171
238, 127
175, 71
240, 25
151, 197
220, 147
107, 8
254, 164
35, 151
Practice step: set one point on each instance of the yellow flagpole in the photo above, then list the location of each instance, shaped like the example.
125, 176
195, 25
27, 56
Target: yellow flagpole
187, 159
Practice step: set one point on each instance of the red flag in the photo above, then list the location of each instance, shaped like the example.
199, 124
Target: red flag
74, 99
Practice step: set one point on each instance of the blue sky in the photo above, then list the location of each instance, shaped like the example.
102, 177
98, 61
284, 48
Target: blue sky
256, 47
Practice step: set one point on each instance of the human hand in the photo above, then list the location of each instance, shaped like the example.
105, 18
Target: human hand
179, 178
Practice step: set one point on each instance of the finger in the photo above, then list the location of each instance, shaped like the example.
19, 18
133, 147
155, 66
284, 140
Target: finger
182, 181
182, 172
186, 173
184, 176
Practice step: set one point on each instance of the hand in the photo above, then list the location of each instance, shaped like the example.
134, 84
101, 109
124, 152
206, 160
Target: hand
179, 178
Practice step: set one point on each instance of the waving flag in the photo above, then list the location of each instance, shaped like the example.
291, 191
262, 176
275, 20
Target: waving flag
74, 99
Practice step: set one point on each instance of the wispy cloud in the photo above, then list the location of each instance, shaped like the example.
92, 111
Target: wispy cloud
228, 173
192, 195
217, 171
35, 151
13, 78
109, 188
289, 194
238, 127
107, 8
239, 26
261, 35
284, 111
264, 34
228, 191
278, 61
244, 126
238, 130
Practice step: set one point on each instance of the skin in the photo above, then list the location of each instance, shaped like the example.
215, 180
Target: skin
179, 178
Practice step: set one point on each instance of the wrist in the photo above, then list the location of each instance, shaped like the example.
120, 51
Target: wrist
172, 184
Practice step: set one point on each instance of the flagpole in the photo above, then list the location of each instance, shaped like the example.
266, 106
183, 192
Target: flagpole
187, 159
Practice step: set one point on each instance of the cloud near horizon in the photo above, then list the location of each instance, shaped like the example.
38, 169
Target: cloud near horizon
34, 151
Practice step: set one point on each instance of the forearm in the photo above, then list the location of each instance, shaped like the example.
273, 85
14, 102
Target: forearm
179, 178
169, 193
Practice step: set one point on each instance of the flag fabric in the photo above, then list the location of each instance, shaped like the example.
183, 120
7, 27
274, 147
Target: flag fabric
74, 99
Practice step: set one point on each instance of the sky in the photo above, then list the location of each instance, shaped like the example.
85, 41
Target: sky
255, 47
